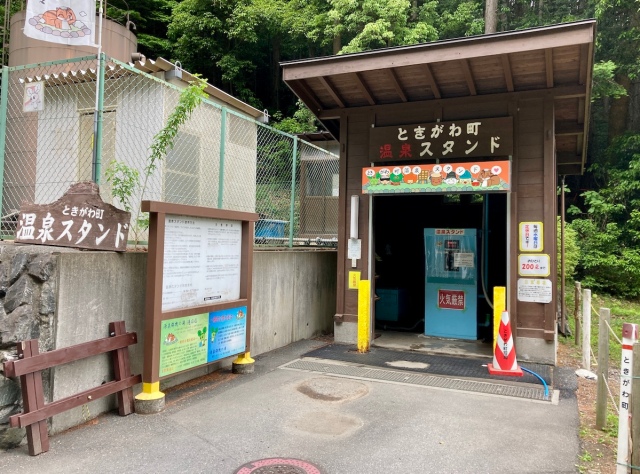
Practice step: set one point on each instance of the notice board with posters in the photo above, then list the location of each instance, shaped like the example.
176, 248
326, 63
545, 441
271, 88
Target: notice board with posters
198, 302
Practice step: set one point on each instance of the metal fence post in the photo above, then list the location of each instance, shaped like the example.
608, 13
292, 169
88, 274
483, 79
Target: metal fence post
586, 330
577, 311
223, 148
603, 368
97, 138
293, 190
4, 94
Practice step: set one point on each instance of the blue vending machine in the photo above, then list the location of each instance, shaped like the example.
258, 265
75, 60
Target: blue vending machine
451, 283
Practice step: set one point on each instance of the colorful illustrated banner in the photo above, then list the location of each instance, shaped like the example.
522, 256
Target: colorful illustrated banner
196, 340
478, 177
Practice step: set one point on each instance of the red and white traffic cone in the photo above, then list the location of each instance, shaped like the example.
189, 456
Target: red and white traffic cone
504, 354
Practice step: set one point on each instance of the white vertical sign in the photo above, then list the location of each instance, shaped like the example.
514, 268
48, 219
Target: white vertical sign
531, 237
629, 338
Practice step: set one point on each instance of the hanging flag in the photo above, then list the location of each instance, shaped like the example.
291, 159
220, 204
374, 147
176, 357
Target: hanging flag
71, 22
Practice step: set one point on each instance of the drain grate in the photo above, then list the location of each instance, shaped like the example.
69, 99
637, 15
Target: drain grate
519, 391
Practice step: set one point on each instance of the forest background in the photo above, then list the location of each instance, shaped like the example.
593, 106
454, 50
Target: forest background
238, 45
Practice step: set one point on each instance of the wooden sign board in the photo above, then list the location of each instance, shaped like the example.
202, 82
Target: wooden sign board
79, 219
487, 138
198, 300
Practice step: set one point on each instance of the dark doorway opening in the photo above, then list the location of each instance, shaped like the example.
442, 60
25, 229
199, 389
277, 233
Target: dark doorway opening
399, 258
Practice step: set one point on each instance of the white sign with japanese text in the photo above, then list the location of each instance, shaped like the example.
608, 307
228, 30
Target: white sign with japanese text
535, 290
201, 261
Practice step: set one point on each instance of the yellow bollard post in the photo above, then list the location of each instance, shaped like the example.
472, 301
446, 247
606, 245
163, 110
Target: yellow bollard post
150, 400
244, 364
499, 305
364, 292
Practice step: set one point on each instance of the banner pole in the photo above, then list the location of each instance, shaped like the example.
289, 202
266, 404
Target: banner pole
97, 115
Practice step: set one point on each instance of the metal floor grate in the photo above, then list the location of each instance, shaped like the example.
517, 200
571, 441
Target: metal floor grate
382, 375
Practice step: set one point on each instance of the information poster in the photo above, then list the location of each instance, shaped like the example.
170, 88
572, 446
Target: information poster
201, 261
183, 343
534, 290
227, 333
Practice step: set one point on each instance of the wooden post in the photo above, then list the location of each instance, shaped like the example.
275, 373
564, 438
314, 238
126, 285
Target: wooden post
635, 408
586, 329
577, 310
33, 399
121, 370
603, 368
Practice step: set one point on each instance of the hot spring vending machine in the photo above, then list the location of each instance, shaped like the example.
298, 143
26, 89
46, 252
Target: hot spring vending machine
451, 283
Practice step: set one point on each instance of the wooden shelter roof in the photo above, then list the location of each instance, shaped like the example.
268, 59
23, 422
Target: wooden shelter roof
557, 59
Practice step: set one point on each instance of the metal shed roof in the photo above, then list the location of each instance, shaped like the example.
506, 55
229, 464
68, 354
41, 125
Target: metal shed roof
557, 59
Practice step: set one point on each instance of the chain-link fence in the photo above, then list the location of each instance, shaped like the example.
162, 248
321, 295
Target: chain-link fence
221, 157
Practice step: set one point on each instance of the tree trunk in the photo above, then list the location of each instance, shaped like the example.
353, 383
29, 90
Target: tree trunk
491, 16
414, 11
618, 112
337, 40
275, 71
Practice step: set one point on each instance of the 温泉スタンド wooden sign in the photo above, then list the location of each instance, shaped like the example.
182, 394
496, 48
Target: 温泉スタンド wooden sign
79, 219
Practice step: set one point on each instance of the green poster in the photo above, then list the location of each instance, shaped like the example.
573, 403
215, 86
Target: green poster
183, 343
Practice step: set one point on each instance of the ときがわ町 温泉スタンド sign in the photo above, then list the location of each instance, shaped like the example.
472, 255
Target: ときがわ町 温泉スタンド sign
79, 219
487, 138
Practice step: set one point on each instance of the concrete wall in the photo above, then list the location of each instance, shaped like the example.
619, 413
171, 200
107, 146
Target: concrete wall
71, 296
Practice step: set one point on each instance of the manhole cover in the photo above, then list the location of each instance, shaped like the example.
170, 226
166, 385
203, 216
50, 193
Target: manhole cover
278, 466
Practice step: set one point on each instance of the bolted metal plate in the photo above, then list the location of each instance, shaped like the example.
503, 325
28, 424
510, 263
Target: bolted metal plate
278, 466
382, 375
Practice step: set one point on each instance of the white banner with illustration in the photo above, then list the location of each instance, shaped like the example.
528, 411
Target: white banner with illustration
70, 22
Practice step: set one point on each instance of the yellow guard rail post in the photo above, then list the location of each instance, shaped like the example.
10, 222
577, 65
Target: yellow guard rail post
364, 331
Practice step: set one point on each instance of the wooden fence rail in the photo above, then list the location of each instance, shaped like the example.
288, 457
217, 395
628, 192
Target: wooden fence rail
30, 363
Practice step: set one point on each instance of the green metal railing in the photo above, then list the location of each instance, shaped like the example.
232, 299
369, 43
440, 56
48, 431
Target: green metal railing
221, 158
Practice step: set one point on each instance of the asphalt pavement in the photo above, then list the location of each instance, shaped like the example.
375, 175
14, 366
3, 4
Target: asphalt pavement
339, 424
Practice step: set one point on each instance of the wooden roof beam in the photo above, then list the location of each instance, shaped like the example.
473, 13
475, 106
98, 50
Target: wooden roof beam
363, 88
569, 170
332, 91
432, 82
569, 128
302, 90
508, 76
396, 84
466, 70
568, 158
548, 60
